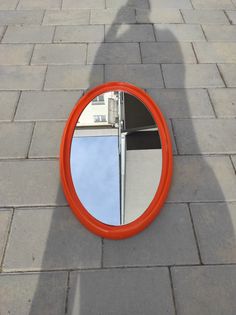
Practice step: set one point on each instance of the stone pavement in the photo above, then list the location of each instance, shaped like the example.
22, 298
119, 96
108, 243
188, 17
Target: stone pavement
183, 52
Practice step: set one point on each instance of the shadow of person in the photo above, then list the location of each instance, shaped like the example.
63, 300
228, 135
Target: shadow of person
195, 226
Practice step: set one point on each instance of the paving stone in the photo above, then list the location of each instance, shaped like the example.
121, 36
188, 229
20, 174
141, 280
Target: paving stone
14, 54
220, 32
73, 77
215, 52
167, 53
178, 32
8, 101
132, 291
81, 4
79, 33
212, 4
224, 102
66, 17
5, 219
8, 4
205, 17
156, 245
28, 34
26, 182
215, 229
15, 139
113, 53
229, 73
32, 293
232, 16
205, 290
46, 105
20, 17
144, 4
59, 54
21, 77
203, 136
129, 33
191, 76
183, 103
158, 16
198, 178
112, 16
46, 139
145, 76
62, 242
39, 4
180, 4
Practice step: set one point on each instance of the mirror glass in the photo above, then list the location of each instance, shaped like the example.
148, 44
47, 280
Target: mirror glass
116, 158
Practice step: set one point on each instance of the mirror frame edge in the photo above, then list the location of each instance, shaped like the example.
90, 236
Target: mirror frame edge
154, 208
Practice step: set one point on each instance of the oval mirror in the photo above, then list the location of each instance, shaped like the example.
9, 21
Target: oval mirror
116, 160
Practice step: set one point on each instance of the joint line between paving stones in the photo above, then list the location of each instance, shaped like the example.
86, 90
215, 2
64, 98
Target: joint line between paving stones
221, 75
195, 234
174, 136
4, 32
44, 13
227, 16
15, 110
181, 13
172, 290
192, 4
31, 139
203, 32
90, 17
67, 292
30, 60
53, 35
234, 168
86, 54
211, 102
45, 76
7, 239
194, 52
162, 75
16, 8
140, 52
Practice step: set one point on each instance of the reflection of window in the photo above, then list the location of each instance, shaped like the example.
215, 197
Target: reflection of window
99, 118
99, 100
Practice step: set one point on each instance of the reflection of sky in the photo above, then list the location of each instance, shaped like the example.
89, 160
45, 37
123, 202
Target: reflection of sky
95, 174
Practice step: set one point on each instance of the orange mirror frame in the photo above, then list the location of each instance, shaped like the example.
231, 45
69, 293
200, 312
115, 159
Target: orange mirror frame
95, 226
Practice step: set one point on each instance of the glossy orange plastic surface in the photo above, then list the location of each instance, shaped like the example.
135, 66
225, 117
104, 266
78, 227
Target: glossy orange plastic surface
95, 226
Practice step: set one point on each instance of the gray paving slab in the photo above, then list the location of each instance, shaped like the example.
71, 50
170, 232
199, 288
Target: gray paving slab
66, 17
14, 54
12, 17
183, 103
144, 4
8, 4
169, 240
59, 54
205, 136
229, 73
205, 290
73, 77
144, 76
39, 4
215, 230
112, 16
46, 139
159, 15
231, 16
167, 52
123, 291
199, 179
28, 34
81, 4
129, 33
33, 293
191, 76
53, 105
113, 53
5, 219
181, 4
8, 101
15, 139
212, 4
205, 16
22, 77
178, 32
79, 34
215, 52
220, 32
62, 242
224, 101
30, 182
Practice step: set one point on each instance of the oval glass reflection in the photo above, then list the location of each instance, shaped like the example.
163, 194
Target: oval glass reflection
116, 158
